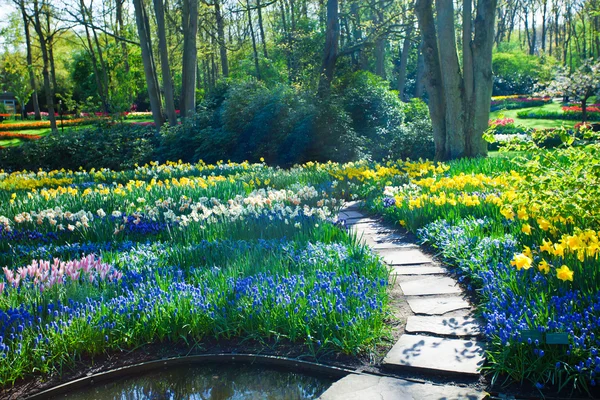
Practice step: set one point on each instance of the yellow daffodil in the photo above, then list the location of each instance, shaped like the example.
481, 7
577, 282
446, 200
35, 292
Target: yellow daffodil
521, 261
564, 273
543, 223
544, 267
508, 213
547, 246
522, 213
559, 250
526, 229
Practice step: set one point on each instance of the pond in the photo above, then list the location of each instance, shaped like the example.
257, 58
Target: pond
214, 382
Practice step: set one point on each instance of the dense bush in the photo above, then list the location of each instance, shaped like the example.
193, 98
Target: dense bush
239, 121
115, 146
285, 125
248, 121
517, 72
571, 116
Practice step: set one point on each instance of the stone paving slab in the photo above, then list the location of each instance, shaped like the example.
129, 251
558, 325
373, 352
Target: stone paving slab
385, 245
350, 214
423, 269
405, 257
443, 326
436, 305
358, 221
371, 387
432, 285
436, 355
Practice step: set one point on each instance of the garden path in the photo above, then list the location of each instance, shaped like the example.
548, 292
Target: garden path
440, 336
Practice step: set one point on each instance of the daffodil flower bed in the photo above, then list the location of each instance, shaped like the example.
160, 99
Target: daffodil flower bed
101, 261
524, 235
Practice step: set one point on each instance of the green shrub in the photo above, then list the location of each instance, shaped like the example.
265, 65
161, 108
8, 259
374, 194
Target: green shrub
387, 127
115, 146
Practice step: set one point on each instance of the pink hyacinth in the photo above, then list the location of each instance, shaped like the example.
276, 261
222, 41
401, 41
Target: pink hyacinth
44, 274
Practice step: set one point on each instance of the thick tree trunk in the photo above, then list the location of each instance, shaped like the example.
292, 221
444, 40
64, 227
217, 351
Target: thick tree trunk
221, 36
143, 28
468, 71
433, 75
483, 76
459, 101
330, 53
404, 61
37, 24
190, 55
32, 83
163, 52
452, 81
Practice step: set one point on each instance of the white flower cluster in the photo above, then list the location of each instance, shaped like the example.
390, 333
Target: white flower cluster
55, 217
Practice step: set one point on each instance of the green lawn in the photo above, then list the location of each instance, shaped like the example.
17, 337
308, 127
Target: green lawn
535, 123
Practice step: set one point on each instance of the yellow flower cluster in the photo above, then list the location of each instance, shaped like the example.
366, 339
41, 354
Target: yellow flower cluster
581, 244
24, 182
461, 182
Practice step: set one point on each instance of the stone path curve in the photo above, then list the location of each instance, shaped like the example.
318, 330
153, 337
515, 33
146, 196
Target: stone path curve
440, 338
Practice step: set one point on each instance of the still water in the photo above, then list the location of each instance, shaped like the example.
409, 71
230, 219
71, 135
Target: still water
214, 382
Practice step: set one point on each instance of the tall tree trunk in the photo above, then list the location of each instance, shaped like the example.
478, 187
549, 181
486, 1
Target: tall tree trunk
121, 33
544, 16
330, 53
32, 83
420, 74
288, 35
254, 49
50, 47
97, 78
163, 52
261, 28
103, 69
380, 57
143, 27
404, 61
221, 36
533, 33
190, 55
37, 24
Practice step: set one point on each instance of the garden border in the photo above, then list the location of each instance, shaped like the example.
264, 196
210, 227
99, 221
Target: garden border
149, 366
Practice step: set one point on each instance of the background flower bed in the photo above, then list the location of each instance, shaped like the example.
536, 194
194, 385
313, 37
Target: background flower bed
516, 102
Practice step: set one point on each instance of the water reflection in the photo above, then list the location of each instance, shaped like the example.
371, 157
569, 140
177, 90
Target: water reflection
218, 382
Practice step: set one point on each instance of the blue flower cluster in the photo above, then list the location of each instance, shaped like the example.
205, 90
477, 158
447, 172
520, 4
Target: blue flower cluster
389, 202
514, 302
